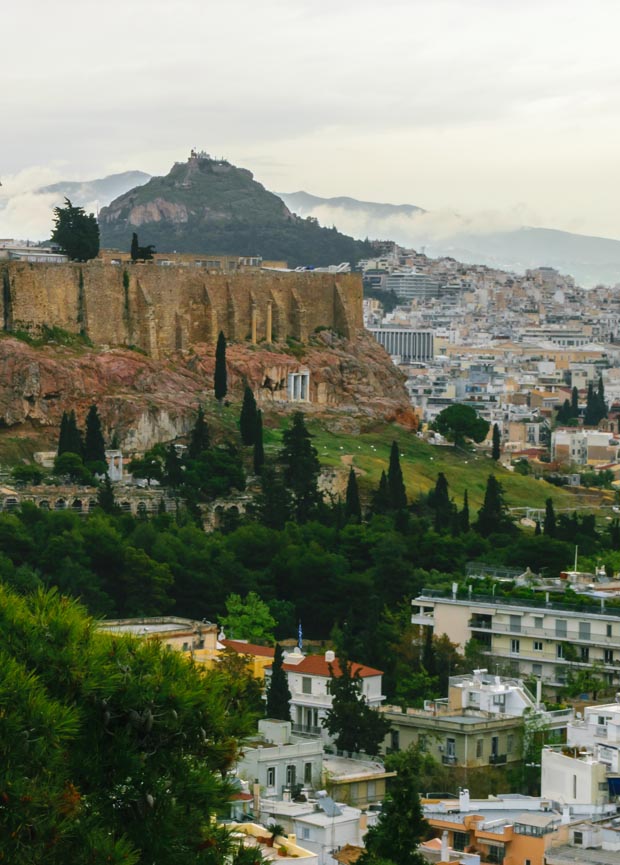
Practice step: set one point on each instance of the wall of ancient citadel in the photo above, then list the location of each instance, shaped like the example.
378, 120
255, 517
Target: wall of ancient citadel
161, 309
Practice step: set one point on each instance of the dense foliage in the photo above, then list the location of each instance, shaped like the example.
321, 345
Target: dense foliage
76, 232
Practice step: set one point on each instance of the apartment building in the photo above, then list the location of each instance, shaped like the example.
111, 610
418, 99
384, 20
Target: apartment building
584, 446
533, 638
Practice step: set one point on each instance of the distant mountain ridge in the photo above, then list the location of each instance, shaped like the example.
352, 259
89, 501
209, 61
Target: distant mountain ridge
103, 189
208, 205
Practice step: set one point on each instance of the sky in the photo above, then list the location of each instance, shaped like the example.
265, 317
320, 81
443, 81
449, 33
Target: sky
508, 110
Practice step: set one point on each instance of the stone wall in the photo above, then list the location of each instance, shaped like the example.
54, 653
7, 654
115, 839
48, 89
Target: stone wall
160, 309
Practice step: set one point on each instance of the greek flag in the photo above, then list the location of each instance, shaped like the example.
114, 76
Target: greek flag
300, 641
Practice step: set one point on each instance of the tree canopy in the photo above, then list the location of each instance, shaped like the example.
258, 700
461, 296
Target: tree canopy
352, 723
76, 232
248, 619
459, 422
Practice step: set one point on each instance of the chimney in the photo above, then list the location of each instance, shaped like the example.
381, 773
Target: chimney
330, 656
464, 799
445, 856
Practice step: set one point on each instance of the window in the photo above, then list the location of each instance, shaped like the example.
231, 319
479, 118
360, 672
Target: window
560, 627
186, 647
601, 721
609, 656
585, 654
479, 748
538, 646
537, 670
510, 742
307, 773
538, 621
271, 776
584, 630
422, 742
395, 740
305, 832
306, 685
515, 645
515, 623
494, 746
609, 630
451, 747
460, 840
578, 839
559, 650
291, 776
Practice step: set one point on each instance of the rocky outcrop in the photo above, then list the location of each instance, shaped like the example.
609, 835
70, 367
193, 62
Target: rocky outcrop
144, 400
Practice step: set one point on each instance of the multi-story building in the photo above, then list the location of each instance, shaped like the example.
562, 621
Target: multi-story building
409, 345
534, 638
584, 446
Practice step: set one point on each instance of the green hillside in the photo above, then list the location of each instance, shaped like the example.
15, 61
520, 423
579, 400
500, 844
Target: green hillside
210, 206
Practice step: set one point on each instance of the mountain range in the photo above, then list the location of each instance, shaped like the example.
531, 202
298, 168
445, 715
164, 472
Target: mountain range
259, 214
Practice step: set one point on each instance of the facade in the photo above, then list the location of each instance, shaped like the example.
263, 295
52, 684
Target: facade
182, 635
584, 446
536, 639
309, 681
412, 286
409, 345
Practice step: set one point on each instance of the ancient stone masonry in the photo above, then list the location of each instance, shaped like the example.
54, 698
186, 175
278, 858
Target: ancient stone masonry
163, 309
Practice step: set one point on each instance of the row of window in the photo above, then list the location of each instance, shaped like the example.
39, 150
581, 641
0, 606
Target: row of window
582, 652
291, 775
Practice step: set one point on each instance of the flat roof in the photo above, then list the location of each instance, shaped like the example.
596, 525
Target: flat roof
581, 856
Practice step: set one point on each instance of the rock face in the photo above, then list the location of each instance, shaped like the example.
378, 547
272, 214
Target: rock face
144, 400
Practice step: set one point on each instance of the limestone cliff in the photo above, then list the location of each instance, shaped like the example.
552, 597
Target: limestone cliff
145, 400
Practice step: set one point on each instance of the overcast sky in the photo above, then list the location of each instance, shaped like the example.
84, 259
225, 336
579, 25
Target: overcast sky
507, 106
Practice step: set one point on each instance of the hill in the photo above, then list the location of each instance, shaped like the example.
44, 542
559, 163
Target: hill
590, 260
206, 205
85, 192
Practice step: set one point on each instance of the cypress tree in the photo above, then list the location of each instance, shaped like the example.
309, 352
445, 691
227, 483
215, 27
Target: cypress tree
600, 398
439, 500
353, 509
94, 445
591, 416
199, 438
301, 467
135, 247
574, 402
259, 453
396, 485
381, 497
105, 496
173, 468
278, 692
537, 529
220, 377
273, 504
493, 516
464, 515
63, 438
549, 524
74, 436
247, 419
496, 448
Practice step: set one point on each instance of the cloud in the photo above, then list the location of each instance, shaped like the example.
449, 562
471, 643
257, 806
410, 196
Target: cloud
26, 214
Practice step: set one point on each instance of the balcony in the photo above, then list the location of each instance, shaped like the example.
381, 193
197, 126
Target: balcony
449, 759
307, 731
544, 633
497, 759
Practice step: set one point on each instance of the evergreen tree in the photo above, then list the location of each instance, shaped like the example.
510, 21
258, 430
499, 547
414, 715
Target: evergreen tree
105, 496
278, 693
439, 500
428, 653
135, 247
273, 503
496, 447
537, 529
63, 438
301, 468
600, 399
76, 232
350, 721
199, 441
464, 515
221, 376
493, 515
564, 413
352, 507
74, 436
396, 484
259, 452
574, 402
381, 497
401, 825
173, 468
94, 445
247, 419
591, 417
549, 524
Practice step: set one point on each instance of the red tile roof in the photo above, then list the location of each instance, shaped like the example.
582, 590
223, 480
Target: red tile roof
243, 648
316, 665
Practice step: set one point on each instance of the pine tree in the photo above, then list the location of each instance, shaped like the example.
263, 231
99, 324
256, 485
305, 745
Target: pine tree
220, 377
301, 468
496, 448
549, 524
76, 232
396, 485
247, 419
199, 441
259, 452
278, 693
94, 445
464, 515
352, 508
